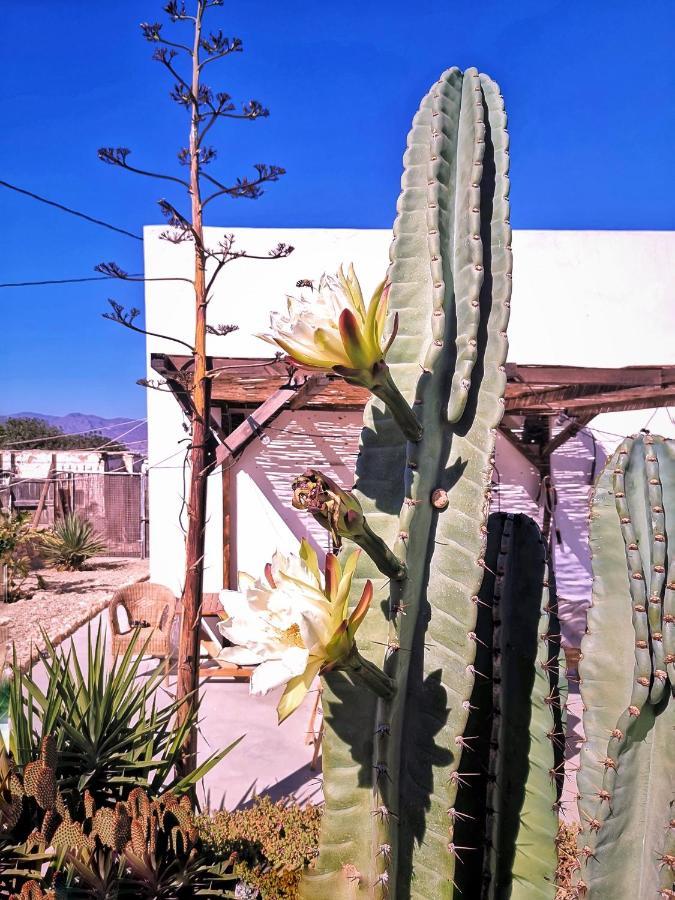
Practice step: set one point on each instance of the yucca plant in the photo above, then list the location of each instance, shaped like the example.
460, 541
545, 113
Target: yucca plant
112, 732
71, 543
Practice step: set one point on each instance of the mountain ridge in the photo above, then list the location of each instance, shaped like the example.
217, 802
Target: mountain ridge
132, 432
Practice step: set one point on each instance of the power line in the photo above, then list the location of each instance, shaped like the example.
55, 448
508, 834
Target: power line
11, 284
73, 212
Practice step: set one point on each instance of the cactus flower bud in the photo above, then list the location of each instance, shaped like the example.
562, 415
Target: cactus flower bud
340, 513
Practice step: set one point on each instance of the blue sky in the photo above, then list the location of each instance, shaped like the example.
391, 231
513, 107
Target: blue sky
589, 88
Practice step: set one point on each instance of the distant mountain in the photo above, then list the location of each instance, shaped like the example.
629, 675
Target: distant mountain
132, 433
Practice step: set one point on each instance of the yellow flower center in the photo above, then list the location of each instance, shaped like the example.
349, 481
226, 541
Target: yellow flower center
292, 636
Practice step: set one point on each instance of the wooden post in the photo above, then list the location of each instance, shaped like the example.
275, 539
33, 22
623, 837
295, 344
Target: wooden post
227, 523
187, 676
45, 491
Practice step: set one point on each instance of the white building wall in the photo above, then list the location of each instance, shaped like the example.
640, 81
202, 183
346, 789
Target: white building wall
579, 298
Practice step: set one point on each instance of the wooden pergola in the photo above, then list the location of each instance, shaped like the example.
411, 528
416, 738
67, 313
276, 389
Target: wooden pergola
258, 390
251, 393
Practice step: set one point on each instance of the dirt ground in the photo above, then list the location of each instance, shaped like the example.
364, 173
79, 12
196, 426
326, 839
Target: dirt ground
68, 600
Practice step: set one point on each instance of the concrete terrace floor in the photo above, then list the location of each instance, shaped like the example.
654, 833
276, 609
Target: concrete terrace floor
271, 759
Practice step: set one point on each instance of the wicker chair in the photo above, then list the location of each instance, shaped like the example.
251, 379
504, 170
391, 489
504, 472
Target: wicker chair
150, 610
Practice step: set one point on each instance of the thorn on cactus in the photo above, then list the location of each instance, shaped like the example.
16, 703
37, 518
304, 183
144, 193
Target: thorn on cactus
453, 848
454, 815
384, 850
381, 771
383, 814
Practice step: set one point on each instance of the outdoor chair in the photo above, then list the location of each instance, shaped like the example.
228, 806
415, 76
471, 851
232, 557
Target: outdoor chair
149, 610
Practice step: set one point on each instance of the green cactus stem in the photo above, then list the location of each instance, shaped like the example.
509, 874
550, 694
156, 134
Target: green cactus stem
384, 387
390, 766
380, 383
627, 778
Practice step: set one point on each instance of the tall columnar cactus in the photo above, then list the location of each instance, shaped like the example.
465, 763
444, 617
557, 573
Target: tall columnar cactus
391, 767
627, 777
511, 773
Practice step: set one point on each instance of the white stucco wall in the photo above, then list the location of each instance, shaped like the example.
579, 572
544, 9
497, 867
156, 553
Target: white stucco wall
579, 298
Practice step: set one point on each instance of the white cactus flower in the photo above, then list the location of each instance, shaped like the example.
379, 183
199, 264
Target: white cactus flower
294, 624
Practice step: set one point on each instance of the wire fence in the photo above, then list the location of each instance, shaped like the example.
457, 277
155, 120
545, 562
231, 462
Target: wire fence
115, 503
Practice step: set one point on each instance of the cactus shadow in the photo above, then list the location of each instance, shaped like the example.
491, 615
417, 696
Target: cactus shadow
390, 458
350, 712
426, 757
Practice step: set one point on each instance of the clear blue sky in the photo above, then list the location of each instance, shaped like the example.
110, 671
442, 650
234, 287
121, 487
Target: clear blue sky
589, 87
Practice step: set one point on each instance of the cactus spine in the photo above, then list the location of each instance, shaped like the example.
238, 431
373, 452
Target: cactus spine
627, 777
450, 280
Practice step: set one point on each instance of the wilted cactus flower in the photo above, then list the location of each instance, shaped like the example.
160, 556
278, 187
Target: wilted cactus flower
340, 512
296, 624
333, 329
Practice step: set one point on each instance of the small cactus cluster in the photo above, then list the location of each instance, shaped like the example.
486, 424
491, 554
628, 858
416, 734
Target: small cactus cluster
157, 839
31, 890
626, 781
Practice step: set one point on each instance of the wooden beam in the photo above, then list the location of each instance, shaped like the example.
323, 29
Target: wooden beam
547, 490
37, 515
166, 367
234, 443
632, 398
568, 432
211, 605
522, 399
527, 450
566, 375
252, 426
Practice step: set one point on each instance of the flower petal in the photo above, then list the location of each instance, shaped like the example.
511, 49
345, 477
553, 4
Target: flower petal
274, 672
315, 628
360, 610
345, 586
297, 688
356, 348
310, 559
241, 656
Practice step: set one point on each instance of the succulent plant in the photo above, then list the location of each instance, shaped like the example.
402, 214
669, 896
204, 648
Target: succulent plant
71, 543
142, 848
627, 778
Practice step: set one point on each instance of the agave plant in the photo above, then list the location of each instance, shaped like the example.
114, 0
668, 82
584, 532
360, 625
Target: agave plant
71, 543
112, 733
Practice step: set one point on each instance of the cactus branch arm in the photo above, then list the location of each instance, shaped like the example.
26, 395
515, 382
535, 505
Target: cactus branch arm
386, 561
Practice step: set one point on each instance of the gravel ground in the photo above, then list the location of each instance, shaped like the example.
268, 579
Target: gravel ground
69, 600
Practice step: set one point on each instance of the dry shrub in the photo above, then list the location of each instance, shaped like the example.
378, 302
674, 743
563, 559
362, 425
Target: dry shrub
273, 843
566, 844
